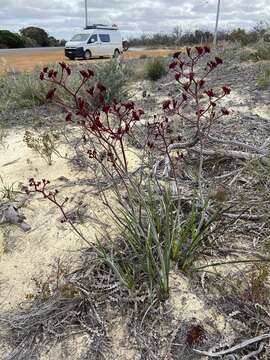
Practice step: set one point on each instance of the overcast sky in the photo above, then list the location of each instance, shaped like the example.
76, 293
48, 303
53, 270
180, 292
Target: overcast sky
61, 18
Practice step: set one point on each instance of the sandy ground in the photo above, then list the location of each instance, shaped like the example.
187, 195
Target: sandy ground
24, 256
25, 60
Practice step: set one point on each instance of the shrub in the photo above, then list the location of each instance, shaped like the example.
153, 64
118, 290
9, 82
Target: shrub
263, 51
43, 143
155, 69
264, 79
39, 35
154, 229
239, 36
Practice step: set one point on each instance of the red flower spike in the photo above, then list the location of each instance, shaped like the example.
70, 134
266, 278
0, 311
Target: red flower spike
45, 70
166, 104
50, 94
68, 117
101, 87
50, 73
106, 108
41, 75
84, 74
63, 65
188, 49
135, 116
200, 50
184, 96
68, 70
173, 65
226, 90
201, 83
219, 61
225, 111
90, 72
210, 93
177, 54
207, 49
177, 76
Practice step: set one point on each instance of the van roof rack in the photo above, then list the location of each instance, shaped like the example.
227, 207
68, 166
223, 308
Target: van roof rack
101, 26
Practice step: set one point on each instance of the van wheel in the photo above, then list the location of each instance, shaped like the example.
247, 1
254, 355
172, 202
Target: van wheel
87, 55
71, 58
116, 53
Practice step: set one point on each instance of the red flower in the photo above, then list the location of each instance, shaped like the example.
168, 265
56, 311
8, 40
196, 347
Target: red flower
177, 76
90, 72
201, 83
101, 87
218, 60
106, 108
166, 104
188, 49
173, 65
200, 50
68, 70
207, 49
176, 54
50, 94
210, 93
225, 111
63, 65
41, 75
68, 117
50, 73
84, 74
45, 69
226, 90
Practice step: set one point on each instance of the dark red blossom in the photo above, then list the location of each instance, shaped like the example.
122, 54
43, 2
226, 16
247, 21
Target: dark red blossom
201, 83
225, 111
100, 87
188, 50
50, 94
210, 93
177, 76
207, 49
69, 117
226, 90
41, 75
173, 65
219, 61
45, 69
177, 54
166, 104
200, 50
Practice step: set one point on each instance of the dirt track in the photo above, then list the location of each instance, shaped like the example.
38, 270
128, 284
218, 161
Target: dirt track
27, 60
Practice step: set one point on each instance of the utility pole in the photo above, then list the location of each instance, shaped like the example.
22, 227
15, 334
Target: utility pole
216, 28
86, 13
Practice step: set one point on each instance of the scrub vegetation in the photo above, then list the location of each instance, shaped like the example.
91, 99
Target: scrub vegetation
167, 192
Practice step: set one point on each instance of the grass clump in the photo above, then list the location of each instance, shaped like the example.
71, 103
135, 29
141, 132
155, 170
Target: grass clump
153, 238
155, 69
264, 79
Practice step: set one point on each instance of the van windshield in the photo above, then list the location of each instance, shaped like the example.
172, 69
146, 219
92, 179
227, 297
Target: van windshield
80, 37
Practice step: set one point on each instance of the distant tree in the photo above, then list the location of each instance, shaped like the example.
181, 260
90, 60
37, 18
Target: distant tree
10, 40
240, 36
37, 34
177, 34
28, 42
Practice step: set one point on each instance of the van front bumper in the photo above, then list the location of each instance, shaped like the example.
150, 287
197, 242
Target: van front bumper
74, 52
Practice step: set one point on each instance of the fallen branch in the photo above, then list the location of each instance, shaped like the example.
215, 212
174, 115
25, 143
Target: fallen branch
234, 348
261, 150
9, 214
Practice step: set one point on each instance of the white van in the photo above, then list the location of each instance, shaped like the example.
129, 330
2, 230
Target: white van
95, 41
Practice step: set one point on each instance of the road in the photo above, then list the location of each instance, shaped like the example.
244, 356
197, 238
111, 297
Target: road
28, 59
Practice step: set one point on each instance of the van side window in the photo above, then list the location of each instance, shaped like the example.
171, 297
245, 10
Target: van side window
92, 39
104, 37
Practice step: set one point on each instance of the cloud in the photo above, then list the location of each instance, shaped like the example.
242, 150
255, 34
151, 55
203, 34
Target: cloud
62, 18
